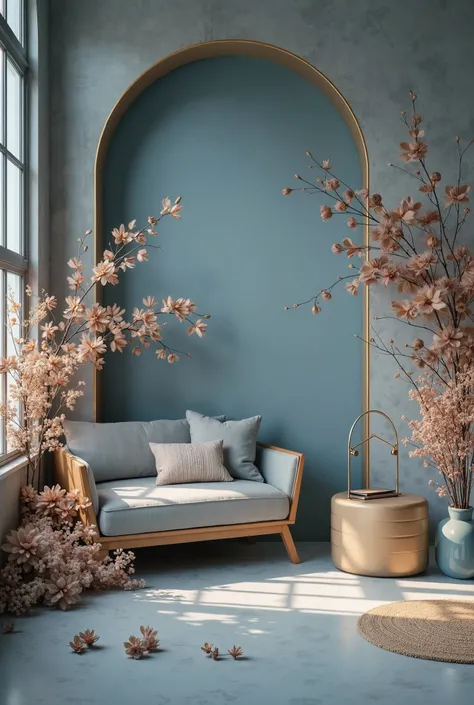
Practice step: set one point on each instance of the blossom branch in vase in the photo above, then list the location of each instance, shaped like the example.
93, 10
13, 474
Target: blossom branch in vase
414, 249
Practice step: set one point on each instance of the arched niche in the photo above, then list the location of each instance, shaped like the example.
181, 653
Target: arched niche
226, 124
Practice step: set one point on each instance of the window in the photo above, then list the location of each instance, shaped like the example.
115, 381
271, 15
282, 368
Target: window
13, 155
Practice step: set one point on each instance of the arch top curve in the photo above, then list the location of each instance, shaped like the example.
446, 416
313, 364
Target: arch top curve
230, 47
252, 49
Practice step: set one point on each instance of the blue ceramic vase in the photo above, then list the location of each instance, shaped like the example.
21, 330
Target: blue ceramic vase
454, 545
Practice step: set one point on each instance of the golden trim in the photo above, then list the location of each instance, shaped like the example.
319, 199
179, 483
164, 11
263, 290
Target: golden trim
239, 47
352, 450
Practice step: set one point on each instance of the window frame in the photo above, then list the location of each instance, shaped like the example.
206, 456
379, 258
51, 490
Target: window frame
10, 261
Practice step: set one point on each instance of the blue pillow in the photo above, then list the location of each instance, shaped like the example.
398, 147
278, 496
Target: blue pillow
240, 442
121, 451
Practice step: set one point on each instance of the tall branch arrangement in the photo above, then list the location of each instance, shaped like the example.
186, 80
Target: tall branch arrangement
47, 351
415, 250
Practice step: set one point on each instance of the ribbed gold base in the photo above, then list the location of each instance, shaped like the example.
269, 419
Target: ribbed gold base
385, 538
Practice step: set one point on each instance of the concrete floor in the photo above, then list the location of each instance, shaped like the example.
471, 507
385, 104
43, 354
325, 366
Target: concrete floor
296, 624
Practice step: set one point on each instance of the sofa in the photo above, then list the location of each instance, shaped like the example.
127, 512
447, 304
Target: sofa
112, 465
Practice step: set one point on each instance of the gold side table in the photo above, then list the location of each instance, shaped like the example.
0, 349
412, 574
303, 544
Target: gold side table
385, 537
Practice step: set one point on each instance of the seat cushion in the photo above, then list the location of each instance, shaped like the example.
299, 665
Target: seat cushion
140, 506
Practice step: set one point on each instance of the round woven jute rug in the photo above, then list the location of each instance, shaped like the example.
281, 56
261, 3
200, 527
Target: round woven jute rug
437, 630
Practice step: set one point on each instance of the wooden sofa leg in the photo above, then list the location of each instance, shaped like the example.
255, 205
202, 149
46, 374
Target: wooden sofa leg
290, 544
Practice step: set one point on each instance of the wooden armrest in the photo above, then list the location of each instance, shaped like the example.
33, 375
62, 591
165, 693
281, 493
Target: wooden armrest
71, 473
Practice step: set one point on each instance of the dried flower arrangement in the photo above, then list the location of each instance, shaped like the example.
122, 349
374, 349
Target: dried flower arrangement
40, 372
52, 557
417, 250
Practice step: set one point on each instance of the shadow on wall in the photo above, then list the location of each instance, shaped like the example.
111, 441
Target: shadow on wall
228, 133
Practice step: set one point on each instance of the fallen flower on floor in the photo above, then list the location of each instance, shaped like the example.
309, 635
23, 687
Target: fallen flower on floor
89, 637
215, 654
207, 648
150, 644
148, 631
150, 640
8, 627
134, 647
77, 645
235, 652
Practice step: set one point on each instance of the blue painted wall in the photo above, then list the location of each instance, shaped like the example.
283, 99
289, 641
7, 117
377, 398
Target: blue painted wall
228, 134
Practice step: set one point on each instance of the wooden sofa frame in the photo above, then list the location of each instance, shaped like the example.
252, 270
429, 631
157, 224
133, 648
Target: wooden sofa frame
70, 473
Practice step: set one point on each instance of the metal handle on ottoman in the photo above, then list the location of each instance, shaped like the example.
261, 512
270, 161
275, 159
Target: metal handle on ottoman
352, 450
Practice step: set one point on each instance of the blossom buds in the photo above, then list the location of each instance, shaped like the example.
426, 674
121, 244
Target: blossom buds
316, 309
286, 191
297, 176
435, 176
308, 154
325, 212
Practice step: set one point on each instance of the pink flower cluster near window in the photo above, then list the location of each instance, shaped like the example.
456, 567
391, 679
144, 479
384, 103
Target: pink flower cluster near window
53, 557
50, 349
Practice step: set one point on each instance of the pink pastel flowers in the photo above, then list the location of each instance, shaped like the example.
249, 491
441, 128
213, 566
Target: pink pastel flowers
42, 374
415, 248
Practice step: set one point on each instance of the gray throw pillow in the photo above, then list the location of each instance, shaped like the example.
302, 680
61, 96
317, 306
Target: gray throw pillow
240, 442
179, 463
121, 451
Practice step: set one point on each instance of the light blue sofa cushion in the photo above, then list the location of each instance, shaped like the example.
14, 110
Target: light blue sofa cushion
278, 468
121, 450
240, 442
140, 506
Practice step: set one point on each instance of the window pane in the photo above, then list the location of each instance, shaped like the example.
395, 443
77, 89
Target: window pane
14, 208
14, 292
14, 115
2, 214
14, 17
14, 286
2, 354
2, 121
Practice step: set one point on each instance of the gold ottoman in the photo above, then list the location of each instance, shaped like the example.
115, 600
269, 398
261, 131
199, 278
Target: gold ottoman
385, 538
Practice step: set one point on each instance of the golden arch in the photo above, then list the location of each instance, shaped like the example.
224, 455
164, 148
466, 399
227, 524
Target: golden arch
233, 47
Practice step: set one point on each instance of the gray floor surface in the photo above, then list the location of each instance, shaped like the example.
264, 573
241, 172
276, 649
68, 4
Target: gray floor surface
296, 624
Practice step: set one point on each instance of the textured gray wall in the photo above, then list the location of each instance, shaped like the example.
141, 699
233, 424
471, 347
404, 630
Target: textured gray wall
373, 50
